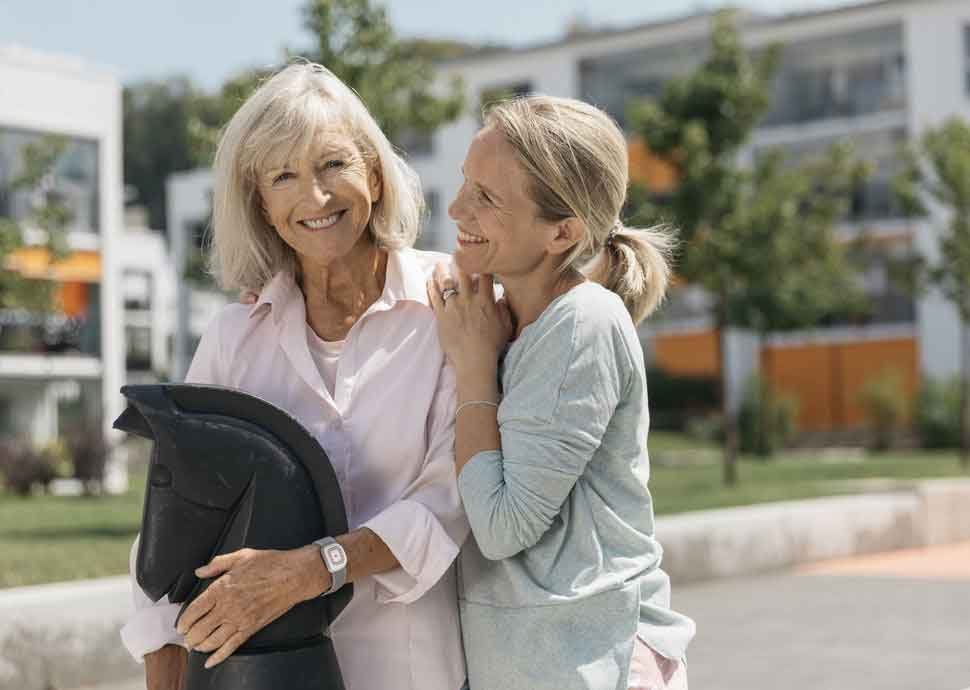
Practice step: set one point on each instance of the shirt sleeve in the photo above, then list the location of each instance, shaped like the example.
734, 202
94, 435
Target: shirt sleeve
561, 396
426, 527
152, 624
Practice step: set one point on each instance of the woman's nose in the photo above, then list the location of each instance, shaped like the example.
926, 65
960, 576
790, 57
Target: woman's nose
318, 191
455, 208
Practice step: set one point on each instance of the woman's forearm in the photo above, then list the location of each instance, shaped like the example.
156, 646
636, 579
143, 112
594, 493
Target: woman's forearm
476, 427
367, 554
165, 667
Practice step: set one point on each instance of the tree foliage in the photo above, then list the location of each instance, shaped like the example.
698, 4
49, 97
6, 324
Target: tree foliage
172, 126
937, 172
758, 237
49, 214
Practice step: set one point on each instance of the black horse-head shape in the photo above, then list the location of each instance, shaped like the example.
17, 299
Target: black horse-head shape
229, 470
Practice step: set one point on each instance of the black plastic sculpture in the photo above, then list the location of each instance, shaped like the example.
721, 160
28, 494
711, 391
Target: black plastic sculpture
229, 470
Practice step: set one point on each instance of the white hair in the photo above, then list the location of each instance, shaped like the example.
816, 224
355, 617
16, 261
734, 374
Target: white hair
282, 117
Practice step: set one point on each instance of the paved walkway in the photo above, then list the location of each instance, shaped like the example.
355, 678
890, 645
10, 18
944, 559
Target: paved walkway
894, 621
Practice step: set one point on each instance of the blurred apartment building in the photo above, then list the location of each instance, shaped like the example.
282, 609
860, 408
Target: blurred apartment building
876, 74
62, 368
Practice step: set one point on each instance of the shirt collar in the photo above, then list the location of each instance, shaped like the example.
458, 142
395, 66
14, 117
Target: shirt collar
404, 280
277, 293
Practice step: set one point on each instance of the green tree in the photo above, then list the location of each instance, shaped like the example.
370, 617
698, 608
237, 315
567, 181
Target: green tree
163, 135
171, 125
394, 77
759, 238
49, 214
937, 171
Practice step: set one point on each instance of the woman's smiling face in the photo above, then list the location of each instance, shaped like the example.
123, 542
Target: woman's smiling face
320, 200
499, 230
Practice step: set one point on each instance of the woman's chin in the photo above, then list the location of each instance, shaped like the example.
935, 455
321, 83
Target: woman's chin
468, 263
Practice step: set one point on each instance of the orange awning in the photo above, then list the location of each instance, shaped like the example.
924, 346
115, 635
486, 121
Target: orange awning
653, 172
35, 262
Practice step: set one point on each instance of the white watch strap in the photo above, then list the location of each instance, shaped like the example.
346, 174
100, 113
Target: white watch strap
336, 566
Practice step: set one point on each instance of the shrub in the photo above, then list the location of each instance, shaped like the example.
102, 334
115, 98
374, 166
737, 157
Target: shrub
675, 400
767, 419
22, 466
937, 417
708, 428
883, 399
89, 455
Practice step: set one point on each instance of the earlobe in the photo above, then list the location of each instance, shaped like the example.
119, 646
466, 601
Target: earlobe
264, 212
568, 234
376, 184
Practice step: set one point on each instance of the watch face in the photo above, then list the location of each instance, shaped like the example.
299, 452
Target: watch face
334, 553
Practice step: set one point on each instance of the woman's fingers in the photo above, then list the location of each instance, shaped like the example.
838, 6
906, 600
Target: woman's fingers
224, 652
486, 287
505, 315
434, 296
203, 628
218, 565
442, 276
204, 603
465, 286
216, 639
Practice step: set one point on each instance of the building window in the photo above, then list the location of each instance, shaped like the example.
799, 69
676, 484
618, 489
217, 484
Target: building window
872, 198
428, 239
136, 287
966, 58
415, 142
70, 180
138, 348
840, 75
613, 82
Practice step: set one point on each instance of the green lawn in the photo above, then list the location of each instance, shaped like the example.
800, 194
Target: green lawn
47, 538
51, 538
698, 486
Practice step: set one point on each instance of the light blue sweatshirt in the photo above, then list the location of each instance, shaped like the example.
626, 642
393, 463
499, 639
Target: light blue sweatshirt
563, 570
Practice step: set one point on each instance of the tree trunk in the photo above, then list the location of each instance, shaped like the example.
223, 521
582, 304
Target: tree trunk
965, 395
764, 403
727, 412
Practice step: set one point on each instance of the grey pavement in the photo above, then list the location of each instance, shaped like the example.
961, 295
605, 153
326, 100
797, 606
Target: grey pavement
812, 632
829, 633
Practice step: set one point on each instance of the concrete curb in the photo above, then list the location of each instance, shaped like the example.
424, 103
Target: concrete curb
63, 636
754, 539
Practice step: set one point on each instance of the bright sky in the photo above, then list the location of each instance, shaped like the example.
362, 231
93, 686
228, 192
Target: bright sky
208, 40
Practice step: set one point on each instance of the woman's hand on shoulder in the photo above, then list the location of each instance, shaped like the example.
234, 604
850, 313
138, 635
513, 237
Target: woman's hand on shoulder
473, 327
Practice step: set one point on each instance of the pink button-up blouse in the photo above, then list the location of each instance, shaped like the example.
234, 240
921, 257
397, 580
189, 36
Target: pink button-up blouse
388, 429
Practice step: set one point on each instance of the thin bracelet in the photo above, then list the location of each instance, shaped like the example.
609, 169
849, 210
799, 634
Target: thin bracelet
475, 402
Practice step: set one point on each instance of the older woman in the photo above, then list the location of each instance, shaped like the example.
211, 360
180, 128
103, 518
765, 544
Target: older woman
315, 211
561, 587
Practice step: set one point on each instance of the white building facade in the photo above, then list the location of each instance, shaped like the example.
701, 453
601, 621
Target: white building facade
877, 74
74, 359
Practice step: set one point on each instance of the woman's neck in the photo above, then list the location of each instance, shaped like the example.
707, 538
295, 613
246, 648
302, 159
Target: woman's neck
530, 294
338, 292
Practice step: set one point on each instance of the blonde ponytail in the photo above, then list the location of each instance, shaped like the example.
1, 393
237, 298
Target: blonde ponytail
635, 264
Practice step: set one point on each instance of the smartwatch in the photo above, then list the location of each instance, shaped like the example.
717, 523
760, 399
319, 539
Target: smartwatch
335, 558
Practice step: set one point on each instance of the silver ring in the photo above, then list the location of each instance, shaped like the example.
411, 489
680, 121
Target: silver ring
448, 292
